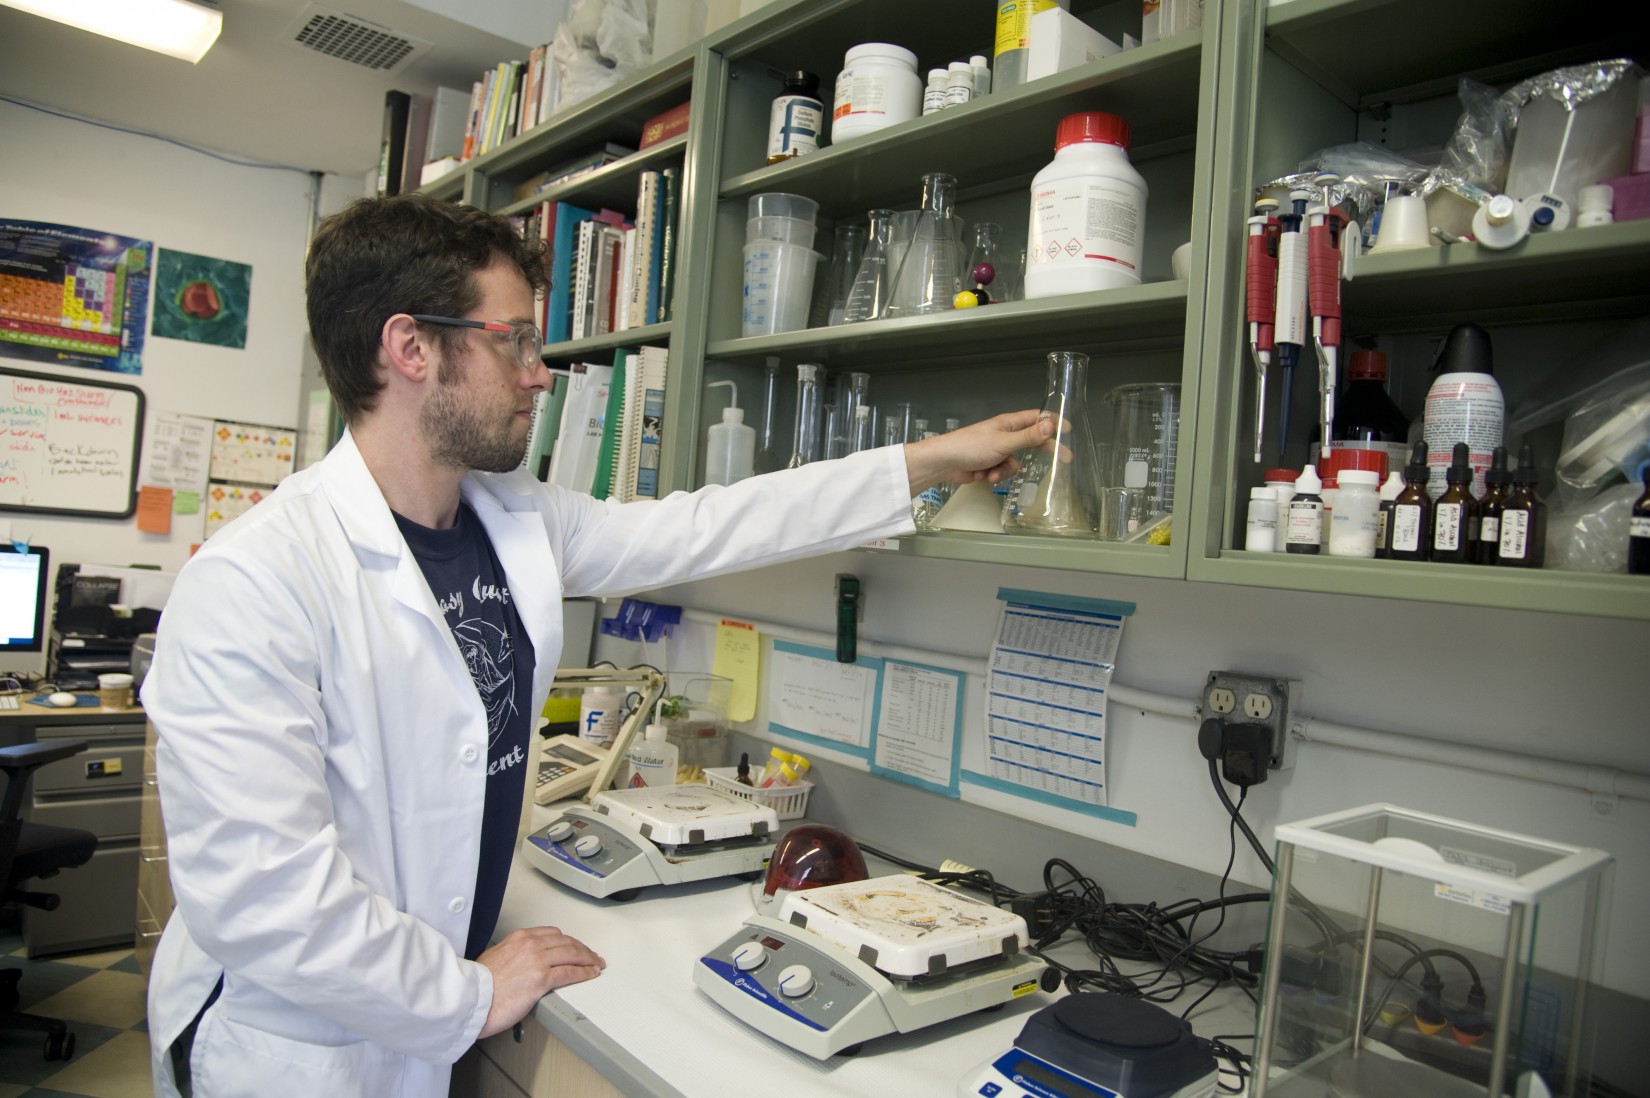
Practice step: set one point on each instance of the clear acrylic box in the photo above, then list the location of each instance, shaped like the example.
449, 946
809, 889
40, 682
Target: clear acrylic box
1473, 952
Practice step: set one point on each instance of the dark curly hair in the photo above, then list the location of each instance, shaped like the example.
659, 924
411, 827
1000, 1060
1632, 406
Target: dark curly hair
405, 254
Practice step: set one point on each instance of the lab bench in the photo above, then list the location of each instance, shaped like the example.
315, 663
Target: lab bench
98, 790
642, 1029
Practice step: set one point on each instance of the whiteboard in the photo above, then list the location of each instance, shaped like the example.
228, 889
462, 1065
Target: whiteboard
67, 446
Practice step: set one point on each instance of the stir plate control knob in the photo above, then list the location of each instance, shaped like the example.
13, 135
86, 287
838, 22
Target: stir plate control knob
749, 956
560, 831
588, 847
796, 981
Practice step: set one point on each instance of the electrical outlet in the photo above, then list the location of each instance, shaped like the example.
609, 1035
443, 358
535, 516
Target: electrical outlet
1237, 697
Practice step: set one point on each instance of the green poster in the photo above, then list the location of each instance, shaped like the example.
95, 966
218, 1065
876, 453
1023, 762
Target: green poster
201, 299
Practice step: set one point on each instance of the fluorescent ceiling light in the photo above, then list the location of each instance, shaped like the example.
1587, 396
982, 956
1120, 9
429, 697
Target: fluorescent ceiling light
184, 29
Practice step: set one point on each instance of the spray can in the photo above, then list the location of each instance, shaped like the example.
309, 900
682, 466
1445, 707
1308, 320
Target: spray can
1464, 405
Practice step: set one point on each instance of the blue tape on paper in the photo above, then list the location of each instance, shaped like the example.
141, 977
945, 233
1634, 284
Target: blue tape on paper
1115, 815
1109, 608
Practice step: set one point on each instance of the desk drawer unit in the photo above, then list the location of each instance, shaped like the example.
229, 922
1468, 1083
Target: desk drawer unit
99, 790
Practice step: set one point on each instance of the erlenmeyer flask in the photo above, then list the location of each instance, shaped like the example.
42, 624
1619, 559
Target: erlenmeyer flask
810, 414
985, 251
831, 288
1058, 491
927, 280
873, 280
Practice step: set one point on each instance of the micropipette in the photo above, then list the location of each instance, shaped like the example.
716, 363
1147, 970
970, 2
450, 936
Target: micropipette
1291, 315
1325, 224
1262, 272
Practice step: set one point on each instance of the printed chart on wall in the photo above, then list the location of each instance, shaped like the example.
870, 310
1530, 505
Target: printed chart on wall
919, 725
813, 697
1046, 698
248, 460
73, 297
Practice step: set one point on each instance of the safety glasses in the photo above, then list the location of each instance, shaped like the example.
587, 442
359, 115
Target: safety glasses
525, 338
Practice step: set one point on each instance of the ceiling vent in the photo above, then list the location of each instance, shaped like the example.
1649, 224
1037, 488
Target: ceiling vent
353, 39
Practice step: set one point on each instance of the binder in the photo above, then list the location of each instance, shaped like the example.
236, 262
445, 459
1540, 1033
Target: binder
392, 145
647, 440
607, 457
563, 244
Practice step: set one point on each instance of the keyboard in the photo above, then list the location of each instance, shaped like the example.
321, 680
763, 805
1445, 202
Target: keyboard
10, 701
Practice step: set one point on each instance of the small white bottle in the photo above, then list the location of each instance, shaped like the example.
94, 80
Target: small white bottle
933, 96
982, 75
1261, 533
959, 84
730, 446
1357, 505
653, 761
1390, 491
599, 715
1283, 480
1304, 532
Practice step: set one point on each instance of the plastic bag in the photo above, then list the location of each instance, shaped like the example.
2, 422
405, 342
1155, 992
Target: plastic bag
1607, 435
1477, 151
600, 43
1367, 172
1591, 535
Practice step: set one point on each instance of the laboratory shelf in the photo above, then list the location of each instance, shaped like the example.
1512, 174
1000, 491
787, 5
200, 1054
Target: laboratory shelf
1602, 271
1072, 554
1610, 596
600, 348
612, 185
1148, 316
1372, 51
1155, 87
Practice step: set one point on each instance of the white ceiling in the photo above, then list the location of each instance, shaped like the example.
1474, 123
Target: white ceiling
252, 96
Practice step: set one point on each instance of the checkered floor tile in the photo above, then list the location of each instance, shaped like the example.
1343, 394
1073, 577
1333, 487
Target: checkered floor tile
101, 996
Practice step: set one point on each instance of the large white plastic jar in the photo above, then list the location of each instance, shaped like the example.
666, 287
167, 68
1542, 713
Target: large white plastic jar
1088, 211
877, 87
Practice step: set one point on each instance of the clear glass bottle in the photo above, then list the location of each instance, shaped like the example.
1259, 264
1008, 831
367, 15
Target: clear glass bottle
927, 280
837, 282
1057, 491
810, 380
873, 280
985, 259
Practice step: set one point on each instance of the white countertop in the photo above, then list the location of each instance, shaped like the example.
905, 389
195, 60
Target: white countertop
646, 1027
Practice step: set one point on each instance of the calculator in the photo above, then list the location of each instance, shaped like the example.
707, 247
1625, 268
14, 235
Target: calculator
567, 765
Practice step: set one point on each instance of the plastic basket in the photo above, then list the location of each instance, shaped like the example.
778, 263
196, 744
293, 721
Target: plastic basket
789, 802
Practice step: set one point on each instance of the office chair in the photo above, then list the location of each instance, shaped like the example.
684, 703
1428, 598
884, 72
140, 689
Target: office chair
29, 850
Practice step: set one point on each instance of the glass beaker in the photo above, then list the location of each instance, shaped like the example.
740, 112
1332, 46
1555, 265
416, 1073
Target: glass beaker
810, 413
927, 278
985, 249
1057, 491
874, 278
1145, 430
831, 294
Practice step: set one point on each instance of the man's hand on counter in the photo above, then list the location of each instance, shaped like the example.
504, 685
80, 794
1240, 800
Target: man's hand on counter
528, 964
980, 451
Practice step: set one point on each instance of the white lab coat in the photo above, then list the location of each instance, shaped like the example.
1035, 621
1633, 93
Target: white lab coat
323, 753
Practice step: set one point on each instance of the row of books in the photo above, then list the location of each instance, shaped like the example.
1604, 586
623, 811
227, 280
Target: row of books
418, 129
609, 274
598, 428
510, 99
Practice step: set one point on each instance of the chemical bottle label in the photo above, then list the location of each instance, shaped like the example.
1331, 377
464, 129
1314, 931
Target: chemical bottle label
1515, 534
1472, 411
1446, 527
1305, 524
1082, 222
1639, 526
794, 125
1014, 24
864, 93
1490, 530
1406, 528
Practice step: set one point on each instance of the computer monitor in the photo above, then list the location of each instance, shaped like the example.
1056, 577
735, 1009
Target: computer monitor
23, 603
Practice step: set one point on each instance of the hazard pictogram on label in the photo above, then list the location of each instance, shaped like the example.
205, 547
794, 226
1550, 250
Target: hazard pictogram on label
1053, 249
1073, 246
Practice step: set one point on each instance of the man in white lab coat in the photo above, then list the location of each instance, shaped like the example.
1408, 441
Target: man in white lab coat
345, 676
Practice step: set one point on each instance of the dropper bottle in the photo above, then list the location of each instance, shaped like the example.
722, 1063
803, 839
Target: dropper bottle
1411, 526
1524, 521
1390, 491
1455, 513
1487, 550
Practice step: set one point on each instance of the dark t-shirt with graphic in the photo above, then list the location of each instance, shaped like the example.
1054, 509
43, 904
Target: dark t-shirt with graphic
468, 584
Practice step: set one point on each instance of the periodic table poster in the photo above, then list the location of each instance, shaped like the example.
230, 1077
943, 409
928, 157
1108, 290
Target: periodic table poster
73, 297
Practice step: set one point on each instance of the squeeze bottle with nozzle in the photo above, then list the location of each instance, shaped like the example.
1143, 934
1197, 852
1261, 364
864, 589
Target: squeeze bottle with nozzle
730, 446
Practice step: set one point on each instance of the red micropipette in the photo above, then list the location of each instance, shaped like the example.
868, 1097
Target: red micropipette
1325, 225
1261, 269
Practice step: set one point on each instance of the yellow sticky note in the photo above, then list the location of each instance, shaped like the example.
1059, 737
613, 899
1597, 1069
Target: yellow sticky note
738, 652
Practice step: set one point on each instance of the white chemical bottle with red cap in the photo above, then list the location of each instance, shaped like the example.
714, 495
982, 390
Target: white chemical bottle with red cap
1088, 211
